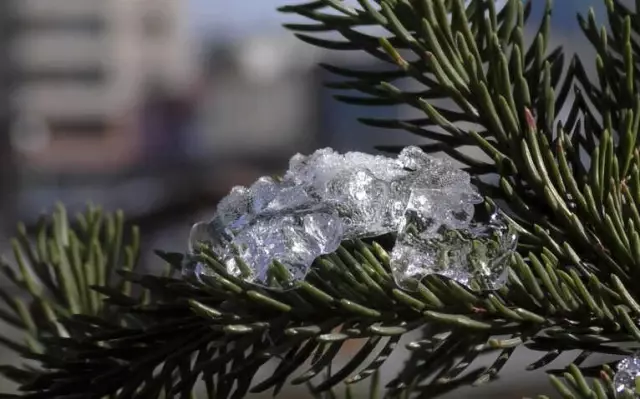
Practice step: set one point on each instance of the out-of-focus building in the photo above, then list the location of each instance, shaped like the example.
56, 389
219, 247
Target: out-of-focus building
5, 63
81, 71
84, 119
7, 171
266, 98
258, 107
258, 101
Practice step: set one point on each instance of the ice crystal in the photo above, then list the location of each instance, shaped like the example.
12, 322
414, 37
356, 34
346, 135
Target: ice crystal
327, 197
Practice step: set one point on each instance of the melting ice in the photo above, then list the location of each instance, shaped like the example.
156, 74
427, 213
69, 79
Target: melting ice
627, 376
327, 197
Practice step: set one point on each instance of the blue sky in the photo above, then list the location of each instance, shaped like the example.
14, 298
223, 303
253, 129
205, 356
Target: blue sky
237, 17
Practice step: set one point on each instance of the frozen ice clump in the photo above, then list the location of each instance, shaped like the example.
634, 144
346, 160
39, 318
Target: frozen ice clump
627, 376
271, 232
295, 241
464, 252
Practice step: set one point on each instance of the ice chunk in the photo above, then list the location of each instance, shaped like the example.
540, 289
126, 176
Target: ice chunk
291, 197
262, 193
477, 252
627, 376
295, 240
324, 165
360, 199
327, 197
234, 210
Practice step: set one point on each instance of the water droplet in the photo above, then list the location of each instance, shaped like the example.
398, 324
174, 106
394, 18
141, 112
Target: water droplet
628, 376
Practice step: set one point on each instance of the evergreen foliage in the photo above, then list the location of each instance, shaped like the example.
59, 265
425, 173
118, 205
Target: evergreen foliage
95, 328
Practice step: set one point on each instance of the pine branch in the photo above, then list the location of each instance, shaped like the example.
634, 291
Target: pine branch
571, 188
583, 208
223, 330
53, 281
572, 383
469, 61
497, 86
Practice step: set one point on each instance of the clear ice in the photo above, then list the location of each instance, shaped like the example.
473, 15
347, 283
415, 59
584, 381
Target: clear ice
327, 197
628, 376
462, 250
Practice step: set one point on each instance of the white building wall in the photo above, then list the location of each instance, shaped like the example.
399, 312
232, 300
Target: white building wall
128, 54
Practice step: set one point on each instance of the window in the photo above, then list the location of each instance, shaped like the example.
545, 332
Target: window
81, 127
92, 25
155, 24
89, 75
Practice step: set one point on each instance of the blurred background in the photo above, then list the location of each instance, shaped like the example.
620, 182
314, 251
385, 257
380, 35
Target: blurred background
158, 107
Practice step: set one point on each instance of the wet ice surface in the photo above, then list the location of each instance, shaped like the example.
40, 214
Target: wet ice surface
327, 197
627, 374
471, 252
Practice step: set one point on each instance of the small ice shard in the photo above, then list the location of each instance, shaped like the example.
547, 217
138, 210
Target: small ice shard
475, 252
234, 210
295, 239
263, 192
627, 376
275, 229
360, 198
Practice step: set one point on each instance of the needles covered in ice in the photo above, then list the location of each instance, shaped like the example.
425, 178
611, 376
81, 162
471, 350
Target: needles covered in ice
284, 225
473, 252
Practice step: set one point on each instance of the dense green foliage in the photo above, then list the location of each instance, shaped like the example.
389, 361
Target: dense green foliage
571, 187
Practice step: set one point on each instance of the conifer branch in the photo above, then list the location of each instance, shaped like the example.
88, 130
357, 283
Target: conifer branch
570, 187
